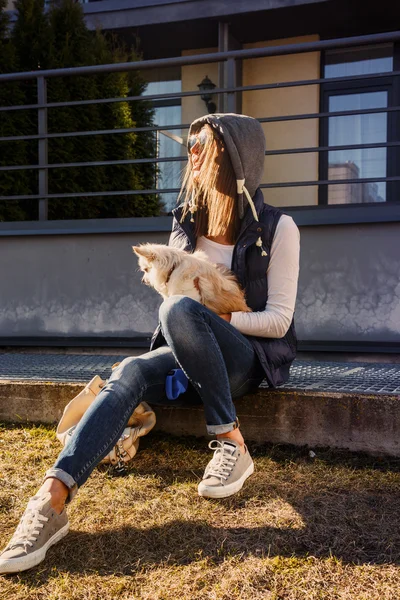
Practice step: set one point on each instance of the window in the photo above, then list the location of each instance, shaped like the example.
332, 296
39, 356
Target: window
367, 128
169, 141
359, 61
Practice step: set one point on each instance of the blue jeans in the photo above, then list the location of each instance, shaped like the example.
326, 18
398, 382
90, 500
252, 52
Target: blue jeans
219, 361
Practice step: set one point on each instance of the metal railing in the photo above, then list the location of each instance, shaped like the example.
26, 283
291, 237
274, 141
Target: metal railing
230, 92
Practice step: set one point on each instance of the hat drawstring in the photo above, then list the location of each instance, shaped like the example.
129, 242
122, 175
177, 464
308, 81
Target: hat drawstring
192, 207
241, 188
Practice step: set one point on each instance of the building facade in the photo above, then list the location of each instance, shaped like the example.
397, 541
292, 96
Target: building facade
329, 106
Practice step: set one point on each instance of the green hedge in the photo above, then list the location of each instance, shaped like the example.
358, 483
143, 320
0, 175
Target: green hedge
56, 39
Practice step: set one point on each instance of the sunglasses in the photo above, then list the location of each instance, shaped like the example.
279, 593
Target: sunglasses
200, 138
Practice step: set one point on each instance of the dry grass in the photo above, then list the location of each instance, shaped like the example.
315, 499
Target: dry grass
324, 528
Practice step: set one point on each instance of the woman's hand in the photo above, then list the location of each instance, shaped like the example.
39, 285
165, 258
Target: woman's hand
226, 317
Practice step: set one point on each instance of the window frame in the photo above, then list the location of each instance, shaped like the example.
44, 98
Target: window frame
372, 84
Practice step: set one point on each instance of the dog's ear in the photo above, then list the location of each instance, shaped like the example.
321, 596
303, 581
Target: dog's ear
144, 251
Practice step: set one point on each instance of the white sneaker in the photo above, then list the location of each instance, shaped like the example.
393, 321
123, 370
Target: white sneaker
226, 473
39, 528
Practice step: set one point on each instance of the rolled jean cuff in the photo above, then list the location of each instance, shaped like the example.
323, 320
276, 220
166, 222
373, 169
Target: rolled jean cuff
217, 429
66, 479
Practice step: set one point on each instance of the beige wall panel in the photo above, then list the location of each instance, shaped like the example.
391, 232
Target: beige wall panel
193, 106
290, 134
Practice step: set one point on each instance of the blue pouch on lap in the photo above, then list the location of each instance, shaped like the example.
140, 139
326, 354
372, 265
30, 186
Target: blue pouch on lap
176, 384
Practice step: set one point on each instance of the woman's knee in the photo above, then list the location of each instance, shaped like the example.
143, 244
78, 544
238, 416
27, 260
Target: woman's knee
127, 373
176, 308
125, 365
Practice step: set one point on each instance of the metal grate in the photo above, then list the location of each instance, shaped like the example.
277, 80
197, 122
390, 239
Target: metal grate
56, 367
364, 378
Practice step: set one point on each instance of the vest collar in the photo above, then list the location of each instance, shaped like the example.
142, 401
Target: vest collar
186, 226
248, 219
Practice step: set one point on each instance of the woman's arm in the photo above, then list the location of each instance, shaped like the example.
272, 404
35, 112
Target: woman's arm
282, 275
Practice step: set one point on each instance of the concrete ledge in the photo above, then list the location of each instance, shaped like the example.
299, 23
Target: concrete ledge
356, 422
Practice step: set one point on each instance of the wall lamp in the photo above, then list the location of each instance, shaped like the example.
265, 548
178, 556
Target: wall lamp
206, 88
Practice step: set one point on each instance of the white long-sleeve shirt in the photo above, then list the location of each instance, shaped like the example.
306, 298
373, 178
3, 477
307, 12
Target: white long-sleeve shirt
282, 275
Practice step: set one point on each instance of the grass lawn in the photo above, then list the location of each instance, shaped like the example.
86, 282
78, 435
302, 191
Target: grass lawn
302, 528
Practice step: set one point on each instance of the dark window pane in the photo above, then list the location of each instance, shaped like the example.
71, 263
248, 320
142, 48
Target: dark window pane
169, 141
163, 87
359, 61
362, 163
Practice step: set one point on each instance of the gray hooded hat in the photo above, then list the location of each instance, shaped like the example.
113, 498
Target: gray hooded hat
245, 142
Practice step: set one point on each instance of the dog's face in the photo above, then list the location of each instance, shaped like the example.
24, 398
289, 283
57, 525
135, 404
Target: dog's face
146, 261
156, 262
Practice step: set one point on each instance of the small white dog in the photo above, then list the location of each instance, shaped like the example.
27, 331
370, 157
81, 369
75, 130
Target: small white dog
175, 272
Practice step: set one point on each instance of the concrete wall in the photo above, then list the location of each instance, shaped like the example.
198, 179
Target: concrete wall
286, 134
77, 285
88, 285
349, 286
357, 422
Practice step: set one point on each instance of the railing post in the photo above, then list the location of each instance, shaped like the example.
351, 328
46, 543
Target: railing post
231, 82
229, 71
42, 147
223, 46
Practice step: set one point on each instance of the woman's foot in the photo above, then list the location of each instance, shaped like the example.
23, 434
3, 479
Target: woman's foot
39, 528
226, 473
236, 436
58, 493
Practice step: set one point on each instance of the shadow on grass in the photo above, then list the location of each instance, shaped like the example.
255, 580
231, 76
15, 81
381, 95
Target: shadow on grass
356, 528
354, 523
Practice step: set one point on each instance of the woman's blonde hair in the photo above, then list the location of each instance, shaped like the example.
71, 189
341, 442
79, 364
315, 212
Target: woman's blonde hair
211, 197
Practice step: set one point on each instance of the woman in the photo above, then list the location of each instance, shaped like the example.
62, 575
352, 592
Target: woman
224, 356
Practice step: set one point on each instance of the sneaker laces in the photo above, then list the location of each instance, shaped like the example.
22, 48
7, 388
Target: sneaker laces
28, 528
222, 462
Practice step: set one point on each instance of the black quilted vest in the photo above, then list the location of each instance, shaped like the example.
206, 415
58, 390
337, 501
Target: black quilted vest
275, 354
